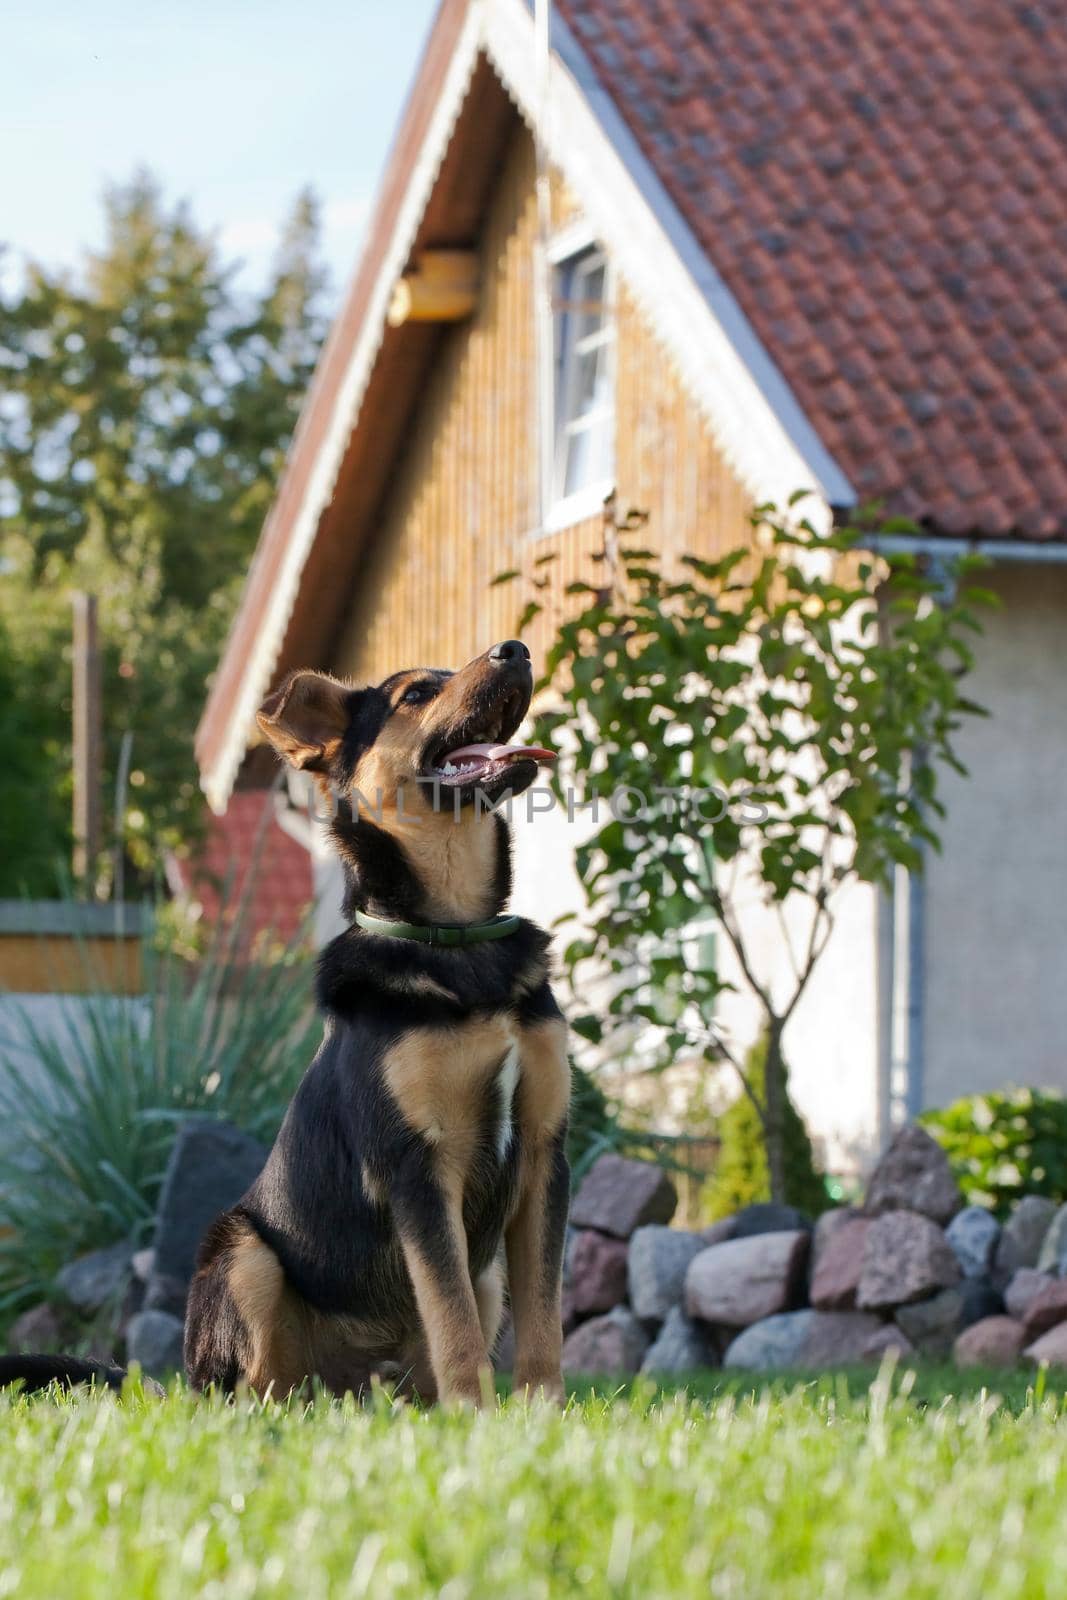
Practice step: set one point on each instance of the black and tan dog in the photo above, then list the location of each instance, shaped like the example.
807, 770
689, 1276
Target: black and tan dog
424, 1149
426, 1141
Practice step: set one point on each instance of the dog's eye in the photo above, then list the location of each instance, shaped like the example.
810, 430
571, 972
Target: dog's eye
416, 694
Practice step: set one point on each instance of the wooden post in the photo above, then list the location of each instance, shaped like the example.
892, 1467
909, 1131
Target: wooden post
86, 698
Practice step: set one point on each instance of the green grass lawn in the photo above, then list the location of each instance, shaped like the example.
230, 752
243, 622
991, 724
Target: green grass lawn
838, 1487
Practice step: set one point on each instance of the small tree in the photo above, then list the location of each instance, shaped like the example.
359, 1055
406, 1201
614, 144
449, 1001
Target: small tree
741, 1176
778, 715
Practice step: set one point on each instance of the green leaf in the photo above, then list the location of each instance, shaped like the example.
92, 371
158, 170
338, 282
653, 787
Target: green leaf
527, 615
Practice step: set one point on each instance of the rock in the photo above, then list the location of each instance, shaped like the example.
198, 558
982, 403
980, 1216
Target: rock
746, 1280
568, 1245
597, 1272
615, 1343
905, 1257
143, 1264
1022, 1235
164, 1293
814, 1340
914, 1175
981, 1299
828, 1225
1024, 1289
932, 1325
1046, 1309
38, 1331
210, 1167
889, 1337
1053, 1254
619, 1195
842, 1338
993, 1342
1050, 1349
973, 1234
155, 1340
97, 1279
570, 1239
767, 1217
680, 1346
838, 1263
772, 1343
132, 1302
659, 1260
568, 1313
718, 1232
1006, 1262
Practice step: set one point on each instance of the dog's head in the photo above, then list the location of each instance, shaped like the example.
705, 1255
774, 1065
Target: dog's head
437, 739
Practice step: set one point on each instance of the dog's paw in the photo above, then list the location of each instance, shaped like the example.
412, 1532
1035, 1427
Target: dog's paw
547, 1386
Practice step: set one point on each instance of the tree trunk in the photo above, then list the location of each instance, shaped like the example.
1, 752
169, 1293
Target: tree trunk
774, 1090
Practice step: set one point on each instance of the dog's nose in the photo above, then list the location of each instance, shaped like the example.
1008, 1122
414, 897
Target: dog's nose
510, 650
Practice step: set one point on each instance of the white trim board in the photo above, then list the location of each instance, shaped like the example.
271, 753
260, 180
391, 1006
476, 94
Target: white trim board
753, 415
255, 680
570, 240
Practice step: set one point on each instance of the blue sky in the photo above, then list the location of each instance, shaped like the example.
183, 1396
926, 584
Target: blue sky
234, 104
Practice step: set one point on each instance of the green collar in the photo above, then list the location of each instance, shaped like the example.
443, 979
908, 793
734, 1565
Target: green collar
445, 933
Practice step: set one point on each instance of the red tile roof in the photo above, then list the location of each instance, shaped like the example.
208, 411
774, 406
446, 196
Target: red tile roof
246, 841
884, 189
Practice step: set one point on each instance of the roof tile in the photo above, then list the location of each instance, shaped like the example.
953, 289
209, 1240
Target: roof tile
899, 174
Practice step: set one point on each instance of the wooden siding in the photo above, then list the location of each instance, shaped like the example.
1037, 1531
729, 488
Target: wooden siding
464, 504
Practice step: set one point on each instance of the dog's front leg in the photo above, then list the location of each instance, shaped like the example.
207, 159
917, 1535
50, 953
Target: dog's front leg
537, 1231
429, 1217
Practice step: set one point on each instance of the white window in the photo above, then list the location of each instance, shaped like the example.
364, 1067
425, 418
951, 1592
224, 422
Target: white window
583, 465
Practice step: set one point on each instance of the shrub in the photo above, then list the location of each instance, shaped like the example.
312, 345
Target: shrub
1002, 1146
741, 1177
593, 1127
91, 1105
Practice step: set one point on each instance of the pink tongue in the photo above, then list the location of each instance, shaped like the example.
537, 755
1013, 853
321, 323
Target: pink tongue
501, 752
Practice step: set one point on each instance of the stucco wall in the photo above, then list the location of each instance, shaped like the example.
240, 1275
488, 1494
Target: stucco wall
996, 900
831, 1042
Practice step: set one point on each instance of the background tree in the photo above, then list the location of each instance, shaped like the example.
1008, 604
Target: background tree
148, 405
774, 722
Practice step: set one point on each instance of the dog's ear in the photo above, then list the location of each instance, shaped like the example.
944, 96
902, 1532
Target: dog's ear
305, 720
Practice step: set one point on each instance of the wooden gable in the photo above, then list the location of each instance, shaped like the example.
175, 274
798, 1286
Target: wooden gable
462, 504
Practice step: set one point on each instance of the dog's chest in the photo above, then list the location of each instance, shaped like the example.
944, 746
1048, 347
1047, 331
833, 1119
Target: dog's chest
504, 1087
457, 1086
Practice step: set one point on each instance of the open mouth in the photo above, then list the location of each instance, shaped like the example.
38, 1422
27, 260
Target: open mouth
480, 753
480, 763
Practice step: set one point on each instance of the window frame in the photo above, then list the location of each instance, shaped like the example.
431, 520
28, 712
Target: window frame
565, 252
